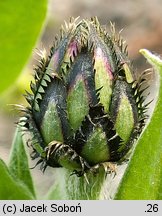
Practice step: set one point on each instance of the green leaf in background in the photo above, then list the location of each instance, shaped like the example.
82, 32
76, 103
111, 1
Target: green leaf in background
18, 165
21, 22
10, 188
143, 178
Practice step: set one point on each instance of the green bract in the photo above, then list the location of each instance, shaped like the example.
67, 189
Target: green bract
87, 107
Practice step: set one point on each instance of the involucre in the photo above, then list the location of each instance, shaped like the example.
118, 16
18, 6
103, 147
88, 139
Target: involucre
86, 107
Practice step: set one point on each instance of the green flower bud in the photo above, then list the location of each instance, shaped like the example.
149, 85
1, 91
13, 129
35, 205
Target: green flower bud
86, 107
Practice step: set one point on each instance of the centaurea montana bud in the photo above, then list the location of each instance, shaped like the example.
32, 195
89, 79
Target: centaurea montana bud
87, 108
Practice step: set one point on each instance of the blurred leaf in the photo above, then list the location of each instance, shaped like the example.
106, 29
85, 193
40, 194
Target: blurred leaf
11, 189
21, 22
18, 165
143, 178
15, 93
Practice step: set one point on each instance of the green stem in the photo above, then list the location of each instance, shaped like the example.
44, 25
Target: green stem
77, 188
89, 187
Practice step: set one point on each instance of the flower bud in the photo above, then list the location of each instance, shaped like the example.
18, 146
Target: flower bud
86, 107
